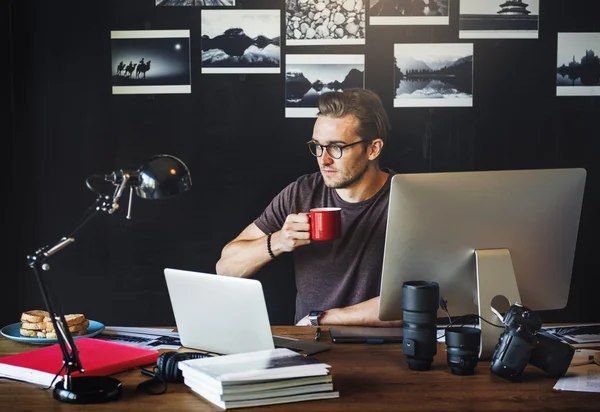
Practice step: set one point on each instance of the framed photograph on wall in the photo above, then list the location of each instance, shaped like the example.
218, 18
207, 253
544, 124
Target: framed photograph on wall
578, 64
409, 12
433, 75
307, 76
150, 61
493, 19
241, 41
198, 3
329, 22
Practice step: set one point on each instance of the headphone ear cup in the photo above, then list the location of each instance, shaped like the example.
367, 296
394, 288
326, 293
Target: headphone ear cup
173, 368
161, 364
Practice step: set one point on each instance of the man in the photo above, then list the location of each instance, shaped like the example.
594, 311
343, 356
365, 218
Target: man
337, 280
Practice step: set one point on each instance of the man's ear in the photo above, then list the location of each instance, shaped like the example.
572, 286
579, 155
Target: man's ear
374, 149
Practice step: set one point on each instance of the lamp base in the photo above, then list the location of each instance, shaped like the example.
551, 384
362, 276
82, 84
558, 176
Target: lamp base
89, 389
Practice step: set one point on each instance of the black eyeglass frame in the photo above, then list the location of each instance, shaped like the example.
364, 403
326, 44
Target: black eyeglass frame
325, 147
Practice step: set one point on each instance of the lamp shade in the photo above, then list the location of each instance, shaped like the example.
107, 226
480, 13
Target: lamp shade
162, 176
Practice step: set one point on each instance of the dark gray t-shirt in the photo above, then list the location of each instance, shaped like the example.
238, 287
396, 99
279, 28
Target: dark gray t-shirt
341, 272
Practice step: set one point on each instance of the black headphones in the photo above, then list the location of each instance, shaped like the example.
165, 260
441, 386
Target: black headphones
167, 370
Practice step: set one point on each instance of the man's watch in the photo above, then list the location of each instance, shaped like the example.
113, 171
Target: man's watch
313, 317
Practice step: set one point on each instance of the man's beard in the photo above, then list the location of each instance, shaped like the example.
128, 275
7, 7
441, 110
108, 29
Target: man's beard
346, 181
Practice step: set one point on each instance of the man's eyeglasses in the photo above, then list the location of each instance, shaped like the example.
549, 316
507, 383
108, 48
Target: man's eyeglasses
334, 150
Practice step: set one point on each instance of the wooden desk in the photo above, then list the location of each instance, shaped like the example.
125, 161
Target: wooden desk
368, 377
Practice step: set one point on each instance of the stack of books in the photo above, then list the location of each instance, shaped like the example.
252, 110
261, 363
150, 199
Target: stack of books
258, 378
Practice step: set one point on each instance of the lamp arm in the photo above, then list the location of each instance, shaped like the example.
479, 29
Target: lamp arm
37, 262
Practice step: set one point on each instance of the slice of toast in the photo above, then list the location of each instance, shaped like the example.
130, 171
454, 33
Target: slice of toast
52, 335
72, 319
29, 333
34, 316
33, 326
73, 328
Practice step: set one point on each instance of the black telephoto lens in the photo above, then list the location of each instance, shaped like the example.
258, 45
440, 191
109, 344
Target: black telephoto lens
462, 347
420, 302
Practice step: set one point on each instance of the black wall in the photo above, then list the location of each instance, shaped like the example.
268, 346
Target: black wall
241, 150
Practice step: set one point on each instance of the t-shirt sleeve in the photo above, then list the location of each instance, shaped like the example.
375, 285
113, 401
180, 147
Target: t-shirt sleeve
273, 217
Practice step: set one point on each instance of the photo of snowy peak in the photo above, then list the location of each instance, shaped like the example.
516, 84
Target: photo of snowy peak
409, 12
203, 3
578, 64
309, 76
150, 61
433, 75
494, 19
324, 22
241, 41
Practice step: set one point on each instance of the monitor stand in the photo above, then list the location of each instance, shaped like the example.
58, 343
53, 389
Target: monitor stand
495, 277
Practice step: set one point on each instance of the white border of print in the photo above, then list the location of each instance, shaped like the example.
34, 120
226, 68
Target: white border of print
498, 34
308, 112
324, 42
578, 90
409, 20
152, 34
148, 34
415, 102
151, 89
241, 70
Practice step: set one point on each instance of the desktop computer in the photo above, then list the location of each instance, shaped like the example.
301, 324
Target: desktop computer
480, 236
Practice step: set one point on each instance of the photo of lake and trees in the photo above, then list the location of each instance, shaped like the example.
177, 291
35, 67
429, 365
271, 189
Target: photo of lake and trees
433, 75
308, 76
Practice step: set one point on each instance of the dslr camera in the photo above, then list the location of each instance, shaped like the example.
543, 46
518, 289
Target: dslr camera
521, 343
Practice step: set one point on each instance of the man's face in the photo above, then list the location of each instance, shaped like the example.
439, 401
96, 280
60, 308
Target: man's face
347, 170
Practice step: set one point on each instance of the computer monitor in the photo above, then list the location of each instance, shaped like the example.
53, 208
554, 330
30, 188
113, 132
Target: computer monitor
480, 235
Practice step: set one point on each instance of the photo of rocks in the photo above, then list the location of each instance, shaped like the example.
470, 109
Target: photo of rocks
324, 22
150, 61
433, 75
409, 12
307, 76
578, 64
241, 41
494, 19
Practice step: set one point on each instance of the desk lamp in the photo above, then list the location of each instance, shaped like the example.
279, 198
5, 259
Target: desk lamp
162, 176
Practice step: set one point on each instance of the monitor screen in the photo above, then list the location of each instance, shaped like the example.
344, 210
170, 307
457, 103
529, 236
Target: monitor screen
437, 222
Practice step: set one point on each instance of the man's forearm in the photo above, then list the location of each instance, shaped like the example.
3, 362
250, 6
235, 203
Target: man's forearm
243, 258
361, 314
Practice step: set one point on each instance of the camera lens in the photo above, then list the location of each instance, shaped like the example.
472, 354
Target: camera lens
420, 302
462, 347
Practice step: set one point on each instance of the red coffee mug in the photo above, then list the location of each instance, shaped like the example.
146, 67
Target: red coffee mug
325, 223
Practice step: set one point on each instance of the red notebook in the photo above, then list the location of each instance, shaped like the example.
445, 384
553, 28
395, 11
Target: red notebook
98, 357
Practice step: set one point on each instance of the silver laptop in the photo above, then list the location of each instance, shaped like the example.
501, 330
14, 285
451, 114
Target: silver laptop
225, 315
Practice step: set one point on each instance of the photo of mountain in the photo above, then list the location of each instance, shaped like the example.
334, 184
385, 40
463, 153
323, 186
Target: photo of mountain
409, 12
150, 61
578, 64
433, 75
195, 3
324, 22
308, 76
241, 41
494, 19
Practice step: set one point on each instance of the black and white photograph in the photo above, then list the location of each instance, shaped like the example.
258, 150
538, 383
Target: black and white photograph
202, 3
433, 75
150, 61
241, 41
494, 19
325, 22
308, 76
409, 12
578, 64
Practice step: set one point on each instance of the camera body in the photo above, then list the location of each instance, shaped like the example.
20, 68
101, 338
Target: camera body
520, 344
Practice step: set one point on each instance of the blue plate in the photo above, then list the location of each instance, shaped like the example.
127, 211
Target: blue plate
12, 332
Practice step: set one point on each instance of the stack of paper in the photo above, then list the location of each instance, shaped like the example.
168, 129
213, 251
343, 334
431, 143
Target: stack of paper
258, 378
